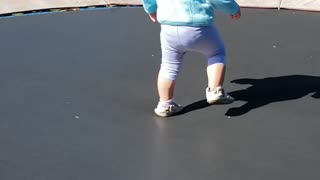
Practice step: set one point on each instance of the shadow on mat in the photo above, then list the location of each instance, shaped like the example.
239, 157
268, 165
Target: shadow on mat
266, 91
195, 106
273, 89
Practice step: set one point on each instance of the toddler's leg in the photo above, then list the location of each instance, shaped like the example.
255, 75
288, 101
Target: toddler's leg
216, 73
165, 88
172, 58
216, 54
170, 67
207, 41
211, 45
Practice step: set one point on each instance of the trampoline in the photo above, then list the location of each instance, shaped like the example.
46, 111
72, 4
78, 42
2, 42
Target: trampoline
78, 90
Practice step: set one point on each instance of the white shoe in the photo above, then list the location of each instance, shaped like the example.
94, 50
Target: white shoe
218, 96
168, 110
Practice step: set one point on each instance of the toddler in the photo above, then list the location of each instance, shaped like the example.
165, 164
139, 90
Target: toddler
187, 25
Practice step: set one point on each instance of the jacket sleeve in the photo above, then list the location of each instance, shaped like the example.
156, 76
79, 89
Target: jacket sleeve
150, 6
227, 6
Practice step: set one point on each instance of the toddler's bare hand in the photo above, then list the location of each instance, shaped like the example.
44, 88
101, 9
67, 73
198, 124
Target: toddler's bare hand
153, 17
237, 15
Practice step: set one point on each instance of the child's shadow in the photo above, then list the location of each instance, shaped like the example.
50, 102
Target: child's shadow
266, 91
273, 89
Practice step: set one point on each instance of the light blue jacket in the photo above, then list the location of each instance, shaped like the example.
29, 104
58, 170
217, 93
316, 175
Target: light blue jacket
188, 12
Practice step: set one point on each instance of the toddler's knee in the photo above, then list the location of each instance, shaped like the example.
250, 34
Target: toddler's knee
169, 71
218, 57
216, 60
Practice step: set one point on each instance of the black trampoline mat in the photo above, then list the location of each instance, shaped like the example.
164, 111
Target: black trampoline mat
78, 89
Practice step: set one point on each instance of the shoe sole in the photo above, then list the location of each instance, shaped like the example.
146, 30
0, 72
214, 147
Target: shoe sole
221, 101
167, 114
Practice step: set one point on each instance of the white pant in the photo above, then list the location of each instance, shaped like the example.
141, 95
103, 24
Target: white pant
177, 40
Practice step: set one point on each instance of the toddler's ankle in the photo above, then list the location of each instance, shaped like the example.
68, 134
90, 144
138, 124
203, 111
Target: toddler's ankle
165, 102
212, 88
